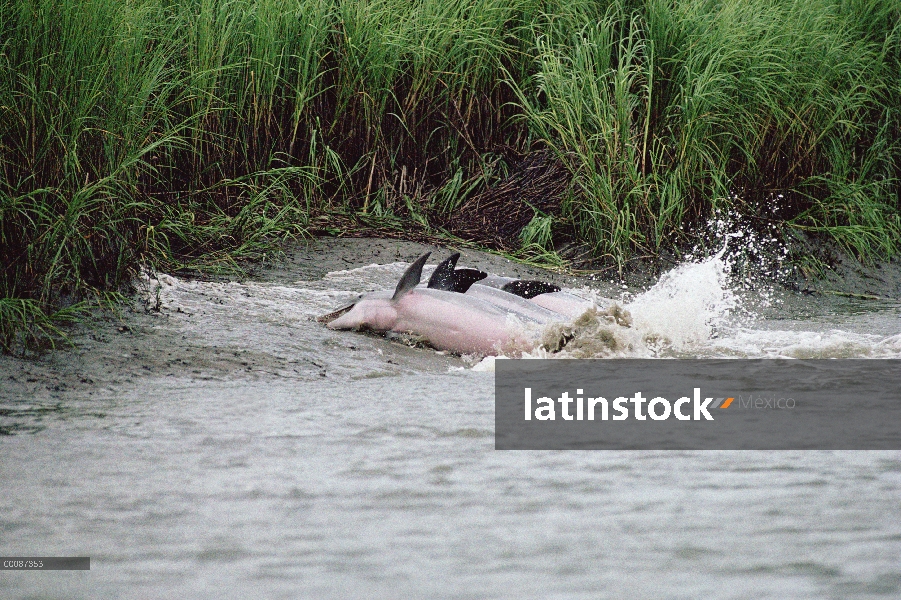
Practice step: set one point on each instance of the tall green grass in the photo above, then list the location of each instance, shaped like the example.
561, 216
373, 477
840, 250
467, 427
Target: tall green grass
199, 133
666, 110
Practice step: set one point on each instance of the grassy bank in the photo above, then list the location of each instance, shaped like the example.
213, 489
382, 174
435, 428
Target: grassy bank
197, 133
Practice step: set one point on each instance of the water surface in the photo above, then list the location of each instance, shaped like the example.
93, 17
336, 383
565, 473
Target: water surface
279, 459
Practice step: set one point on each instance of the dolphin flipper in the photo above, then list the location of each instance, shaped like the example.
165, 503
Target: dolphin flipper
443, 278
529, 288
410, 278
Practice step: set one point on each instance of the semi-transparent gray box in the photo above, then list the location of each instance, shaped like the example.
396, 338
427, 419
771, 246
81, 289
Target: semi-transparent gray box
698, 404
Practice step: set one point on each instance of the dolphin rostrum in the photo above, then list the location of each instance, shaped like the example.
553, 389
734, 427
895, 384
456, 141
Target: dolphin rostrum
446, 320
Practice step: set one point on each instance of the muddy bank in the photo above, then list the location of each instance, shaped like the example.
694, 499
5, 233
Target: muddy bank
147, 340
324, 255
823, 268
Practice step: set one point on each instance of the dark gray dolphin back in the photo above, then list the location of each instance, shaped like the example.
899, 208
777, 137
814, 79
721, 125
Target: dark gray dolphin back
443, 277
411, 277
529, 289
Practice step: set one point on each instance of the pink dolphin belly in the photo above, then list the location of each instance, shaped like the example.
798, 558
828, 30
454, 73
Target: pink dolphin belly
455, 322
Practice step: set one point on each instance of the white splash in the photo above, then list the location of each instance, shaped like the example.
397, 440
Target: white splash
687, 306
698, 310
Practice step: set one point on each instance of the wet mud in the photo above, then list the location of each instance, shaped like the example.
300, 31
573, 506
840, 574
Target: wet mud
146, 340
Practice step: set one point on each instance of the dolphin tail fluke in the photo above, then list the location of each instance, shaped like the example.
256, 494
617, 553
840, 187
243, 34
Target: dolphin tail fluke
443, 277
411, 277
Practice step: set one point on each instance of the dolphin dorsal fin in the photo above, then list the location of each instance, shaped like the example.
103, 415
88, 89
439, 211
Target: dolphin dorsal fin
443, 277
410, 278
464, 278
529, 288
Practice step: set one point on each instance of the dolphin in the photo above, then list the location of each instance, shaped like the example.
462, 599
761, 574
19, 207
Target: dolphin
464, 278
447, 320
447, 277
497, 281
444, 277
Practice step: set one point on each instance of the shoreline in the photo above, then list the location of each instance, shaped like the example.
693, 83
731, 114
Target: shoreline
110, 351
